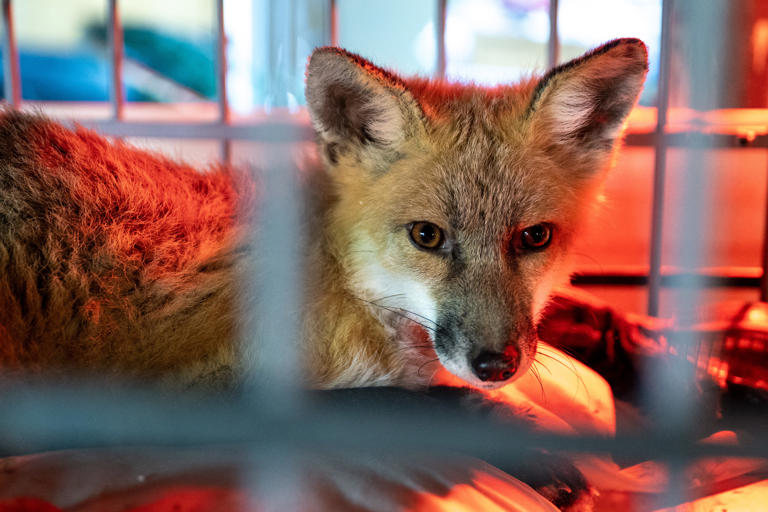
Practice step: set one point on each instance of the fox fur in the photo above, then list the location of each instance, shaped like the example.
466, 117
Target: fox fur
121, 262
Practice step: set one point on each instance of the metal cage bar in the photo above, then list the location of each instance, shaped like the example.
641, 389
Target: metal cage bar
440, 22
221, 79
156, 420
334, 19
676, 413
221, 64
553, 43
12, 80
85, 417
764, 277
254, 131
115, 42
660, 162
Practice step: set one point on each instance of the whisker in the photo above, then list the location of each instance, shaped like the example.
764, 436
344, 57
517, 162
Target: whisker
569, 351
538, 378
430, 361
432, 377
420, 316
557, 360
552, 350
437, 325
412, 347
570, 366
401, 313
542, 365
592, 259
377, 303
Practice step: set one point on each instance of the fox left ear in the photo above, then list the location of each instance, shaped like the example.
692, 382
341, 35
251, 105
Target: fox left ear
581, 105
356, 105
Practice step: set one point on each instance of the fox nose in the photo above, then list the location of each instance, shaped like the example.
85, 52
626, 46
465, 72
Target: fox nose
495, 366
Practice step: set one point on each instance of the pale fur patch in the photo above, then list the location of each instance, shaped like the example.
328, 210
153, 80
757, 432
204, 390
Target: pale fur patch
400, 301
396, 295
407, 296
570, 107
401, 293
389, 289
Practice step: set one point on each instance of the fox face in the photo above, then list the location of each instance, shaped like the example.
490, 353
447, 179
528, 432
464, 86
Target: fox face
455, 205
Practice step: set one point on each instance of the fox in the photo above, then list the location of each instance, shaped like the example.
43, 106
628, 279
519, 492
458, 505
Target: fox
443, 214
438, 223
456, 204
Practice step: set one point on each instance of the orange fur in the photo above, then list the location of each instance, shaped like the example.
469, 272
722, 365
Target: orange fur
111, 258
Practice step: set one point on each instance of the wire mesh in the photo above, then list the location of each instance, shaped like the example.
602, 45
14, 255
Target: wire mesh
12, 76
115, 43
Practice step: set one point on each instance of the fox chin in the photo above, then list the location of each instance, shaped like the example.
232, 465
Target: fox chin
441, 219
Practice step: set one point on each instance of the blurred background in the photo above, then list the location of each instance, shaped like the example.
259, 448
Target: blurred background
169, 76
170, 45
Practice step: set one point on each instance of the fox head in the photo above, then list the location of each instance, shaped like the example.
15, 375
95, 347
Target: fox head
455, 205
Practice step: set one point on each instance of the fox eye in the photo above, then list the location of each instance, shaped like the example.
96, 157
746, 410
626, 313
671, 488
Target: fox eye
426, 235
536, 237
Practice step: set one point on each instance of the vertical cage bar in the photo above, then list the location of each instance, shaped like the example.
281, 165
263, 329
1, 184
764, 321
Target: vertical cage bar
764, 277
12, 81
221, 78
660, 163
553, 44
279, 266
115, 41
221, 63
667, 380
272, 323
334, 16
271, 320
442, 13
282, 82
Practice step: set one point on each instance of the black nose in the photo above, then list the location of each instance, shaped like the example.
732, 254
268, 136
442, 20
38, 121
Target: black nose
495, 366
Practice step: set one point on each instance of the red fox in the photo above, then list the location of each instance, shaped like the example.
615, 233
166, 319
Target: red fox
439, 223
444, 217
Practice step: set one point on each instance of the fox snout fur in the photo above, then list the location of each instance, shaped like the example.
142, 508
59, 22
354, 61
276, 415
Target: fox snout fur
458, 203
441, 219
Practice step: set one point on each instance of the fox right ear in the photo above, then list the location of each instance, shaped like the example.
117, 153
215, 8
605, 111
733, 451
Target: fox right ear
580, 106
354, 104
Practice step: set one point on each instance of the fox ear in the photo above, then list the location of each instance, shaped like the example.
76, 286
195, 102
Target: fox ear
354, 103
582, 104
